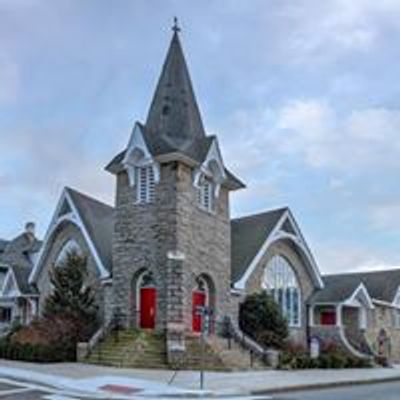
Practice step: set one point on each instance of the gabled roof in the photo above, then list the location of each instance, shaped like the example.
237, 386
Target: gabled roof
381, 285
247, 236
95, 221
21, 275
196, 152
98, 218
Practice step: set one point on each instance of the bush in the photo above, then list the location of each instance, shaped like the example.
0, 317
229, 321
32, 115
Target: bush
36, 353
260, 317
69, 318
297, 357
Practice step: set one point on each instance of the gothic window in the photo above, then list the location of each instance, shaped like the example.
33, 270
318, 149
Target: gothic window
205, 194
69, 247
281, 282
145, 184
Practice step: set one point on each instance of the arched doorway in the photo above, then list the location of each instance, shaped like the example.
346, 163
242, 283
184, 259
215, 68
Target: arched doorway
202, 298
146, 300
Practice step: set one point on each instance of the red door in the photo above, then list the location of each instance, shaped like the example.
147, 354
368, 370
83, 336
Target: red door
328, 318
198, 300
148, 297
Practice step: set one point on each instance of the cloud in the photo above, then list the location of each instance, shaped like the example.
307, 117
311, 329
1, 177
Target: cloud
9, 80
324, 31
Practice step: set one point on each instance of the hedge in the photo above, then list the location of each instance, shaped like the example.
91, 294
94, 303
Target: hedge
36, 353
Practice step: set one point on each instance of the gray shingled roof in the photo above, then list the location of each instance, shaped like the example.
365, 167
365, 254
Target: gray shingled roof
381, 285
174, 123
174, 115
18, 250
98, 219
21, 274
16, 255
3, 244
247, 236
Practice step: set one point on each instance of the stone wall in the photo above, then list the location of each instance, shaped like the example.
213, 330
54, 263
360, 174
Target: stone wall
66, 232
143, 235
146, 233
382, 317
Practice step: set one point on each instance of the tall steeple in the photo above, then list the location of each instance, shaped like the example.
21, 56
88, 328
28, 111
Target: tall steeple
174, 116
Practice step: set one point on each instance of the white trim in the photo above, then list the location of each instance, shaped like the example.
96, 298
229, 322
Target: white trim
14, 293
5, 277
214, 154
278, 234
385, 304
137, 143
396, 299
75, 219
352, 300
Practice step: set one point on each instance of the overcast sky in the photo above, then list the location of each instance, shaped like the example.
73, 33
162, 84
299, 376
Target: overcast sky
303, 95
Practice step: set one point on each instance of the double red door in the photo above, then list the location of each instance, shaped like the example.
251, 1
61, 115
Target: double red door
328, 318
198, 300
148, 302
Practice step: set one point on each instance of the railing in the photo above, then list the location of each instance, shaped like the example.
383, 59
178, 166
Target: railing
232, 331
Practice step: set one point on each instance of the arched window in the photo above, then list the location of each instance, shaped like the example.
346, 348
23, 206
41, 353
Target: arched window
281, 282
70, 246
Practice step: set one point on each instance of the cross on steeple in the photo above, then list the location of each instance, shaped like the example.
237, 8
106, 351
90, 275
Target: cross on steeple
175, 27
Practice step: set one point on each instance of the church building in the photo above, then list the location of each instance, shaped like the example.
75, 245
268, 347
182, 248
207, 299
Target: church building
168, 248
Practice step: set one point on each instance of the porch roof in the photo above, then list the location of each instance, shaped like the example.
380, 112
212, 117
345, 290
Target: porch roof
381, 285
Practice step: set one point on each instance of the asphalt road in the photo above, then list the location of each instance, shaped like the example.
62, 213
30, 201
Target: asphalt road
381, 391
19, 390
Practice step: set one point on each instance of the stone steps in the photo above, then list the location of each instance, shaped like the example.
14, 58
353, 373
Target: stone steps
131, 349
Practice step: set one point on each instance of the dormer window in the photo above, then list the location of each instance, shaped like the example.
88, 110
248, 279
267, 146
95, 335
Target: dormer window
145, 183
205, 194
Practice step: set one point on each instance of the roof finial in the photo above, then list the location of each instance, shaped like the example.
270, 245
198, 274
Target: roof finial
175, 27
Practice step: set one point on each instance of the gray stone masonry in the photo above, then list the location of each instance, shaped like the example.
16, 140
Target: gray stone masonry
146, 233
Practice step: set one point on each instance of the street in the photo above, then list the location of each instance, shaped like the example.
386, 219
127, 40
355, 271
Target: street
20, 389
384, 391
11, 389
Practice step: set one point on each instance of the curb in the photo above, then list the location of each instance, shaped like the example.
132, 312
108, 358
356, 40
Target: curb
327, 385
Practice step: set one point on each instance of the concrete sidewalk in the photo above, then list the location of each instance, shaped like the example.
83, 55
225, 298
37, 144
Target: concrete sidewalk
219, 383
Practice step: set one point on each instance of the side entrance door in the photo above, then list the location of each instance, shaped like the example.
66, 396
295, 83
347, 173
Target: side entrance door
148, 302
328, 318
198, 300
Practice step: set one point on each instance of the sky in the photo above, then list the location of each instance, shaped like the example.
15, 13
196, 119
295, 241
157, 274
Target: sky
303, 95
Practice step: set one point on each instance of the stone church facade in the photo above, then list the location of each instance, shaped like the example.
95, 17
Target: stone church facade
169, 247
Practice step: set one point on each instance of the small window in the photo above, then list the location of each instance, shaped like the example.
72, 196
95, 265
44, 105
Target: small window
145, 184
205, 194
5, 315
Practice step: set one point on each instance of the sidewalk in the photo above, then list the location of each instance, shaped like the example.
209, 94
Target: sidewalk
218, 383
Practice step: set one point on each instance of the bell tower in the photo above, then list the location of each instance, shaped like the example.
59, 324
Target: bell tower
171, 245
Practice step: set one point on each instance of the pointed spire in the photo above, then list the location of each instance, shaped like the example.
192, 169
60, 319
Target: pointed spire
174, 116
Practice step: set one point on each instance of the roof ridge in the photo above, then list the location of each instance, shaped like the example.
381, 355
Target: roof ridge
86, 196
258, 214
369, 272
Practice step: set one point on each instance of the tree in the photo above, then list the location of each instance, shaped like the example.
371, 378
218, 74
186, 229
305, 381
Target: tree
71, 301
261, 318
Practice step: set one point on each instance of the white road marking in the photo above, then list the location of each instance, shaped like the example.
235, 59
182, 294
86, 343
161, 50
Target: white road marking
10, 392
